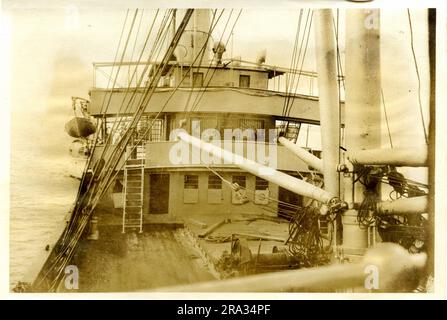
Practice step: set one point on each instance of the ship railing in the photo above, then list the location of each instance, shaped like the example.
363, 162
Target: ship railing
124, 74
157, 154
387, 267
129, 72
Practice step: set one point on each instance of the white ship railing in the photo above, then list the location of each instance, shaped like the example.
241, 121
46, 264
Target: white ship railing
385, 268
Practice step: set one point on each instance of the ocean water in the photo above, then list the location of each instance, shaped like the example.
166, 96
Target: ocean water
42, 193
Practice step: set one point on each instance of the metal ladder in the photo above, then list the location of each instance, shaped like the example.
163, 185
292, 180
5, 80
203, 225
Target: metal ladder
133, 191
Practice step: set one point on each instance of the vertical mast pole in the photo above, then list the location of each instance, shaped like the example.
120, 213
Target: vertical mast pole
326, 58
326, 54
363, 113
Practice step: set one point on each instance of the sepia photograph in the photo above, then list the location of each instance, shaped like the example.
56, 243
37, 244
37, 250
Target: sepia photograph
218, 147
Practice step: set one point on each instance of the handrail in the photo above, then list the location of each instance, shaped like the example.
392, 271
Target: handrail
392, 265
105, 64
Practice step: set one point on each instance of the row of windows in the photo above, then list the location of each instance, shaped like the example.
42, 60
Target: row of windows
197, 80
215, 191
191, 181
147, 129
213, 122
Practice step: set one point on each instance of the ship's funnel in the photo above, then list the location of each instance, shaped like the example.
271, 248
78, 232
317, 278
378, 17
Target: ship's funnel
196, 39
218, 50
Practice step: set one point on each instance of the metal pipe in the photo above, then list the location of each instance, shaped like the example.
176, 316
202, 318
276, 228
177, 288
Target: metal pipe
363, 100
407, 157
404, 206
277, 177
326, 57
390, 261
302, 153
321, 279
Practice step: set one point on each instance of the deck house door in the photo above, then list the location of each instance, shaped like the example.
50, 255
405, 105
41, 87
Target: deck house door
159, 194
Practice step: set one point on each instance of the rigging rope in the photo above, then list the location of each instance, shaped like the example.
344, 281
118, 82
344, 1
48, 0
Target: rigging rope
292, 62
200, 96
339, 79
159, 112
83, 213
97, 168
418, 76
136, 39
116, 124
78, 196
121, 61
129, 131
386, 118
150, 126
202, 54
290, 105
157, 43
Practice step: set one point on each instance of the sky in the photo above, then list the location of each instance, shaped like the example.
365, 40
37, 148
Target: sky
51, 50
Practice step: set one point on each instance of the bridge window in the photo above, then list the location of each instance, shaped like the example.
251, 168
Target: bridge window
214, 182
241, 124
240, 180
149, 129
261, 184
191, 181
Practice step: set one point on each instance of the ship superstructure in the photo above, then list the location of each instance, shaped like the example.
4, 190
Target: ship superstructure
226, 97
189, 146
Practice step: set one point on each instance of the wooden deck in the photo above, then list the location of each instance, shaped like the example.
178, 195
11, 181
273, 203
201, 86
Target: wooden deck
131, 262
165, 254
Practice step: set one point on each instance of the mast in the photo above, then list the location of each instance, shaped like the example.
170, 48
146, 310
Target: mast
329, 102
326, 54
363, 116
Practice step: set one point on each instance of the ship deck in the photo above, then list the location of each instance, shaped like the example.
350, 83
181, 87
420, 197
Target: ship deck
242, 226
169, 252
119, 262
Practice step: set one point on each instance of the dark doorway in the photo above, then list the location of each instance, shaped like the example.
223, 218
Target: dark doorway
159, 194
244, 81
287, 197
